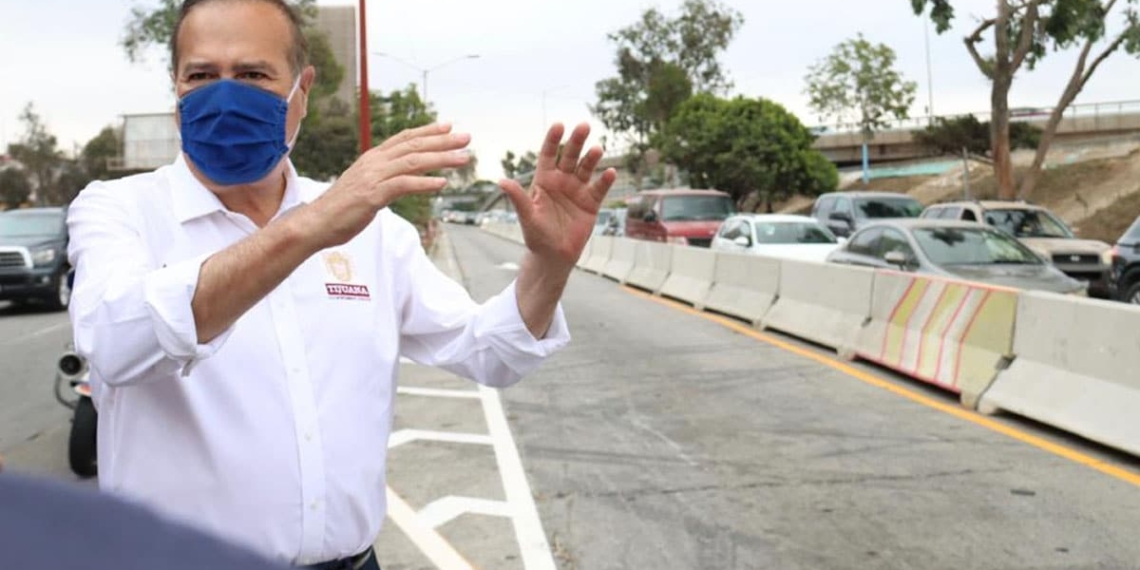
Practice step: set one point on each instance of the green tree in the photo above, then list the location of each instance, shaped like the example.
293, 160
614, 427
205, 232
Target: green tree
99, 151
952, 135
392, 113
329, 141
1023, 33
857, 83
15, 188
514, 166
39, 152
745, 147
661, 62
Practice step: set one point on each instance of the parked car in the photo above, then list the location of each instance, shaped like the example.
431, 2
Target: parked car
1042, 232
603, 221
961, 250
33, 257
846, 212
789, 237
1125, 259
615, 226
689, 217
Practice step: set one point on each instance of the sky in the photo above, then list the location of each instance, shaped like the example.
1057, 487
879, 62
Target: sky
64, 57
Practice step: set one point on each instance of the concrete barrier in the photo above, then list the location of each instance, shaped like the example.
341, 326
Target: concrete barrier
651, 267
582, 259
953, 334
822, 302
744, 286
1077, 368
621, 260
690, 275
599, 253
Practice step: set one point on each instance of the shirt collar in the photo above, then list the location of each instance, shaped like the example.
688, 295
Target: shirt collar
191, 199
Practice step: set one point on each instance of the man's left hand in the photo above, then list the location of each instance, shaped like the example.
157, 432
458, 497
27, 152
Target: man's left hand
558, 214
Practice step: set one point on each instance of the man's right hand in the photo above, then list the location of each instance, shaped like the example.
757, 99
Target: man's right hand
395, 168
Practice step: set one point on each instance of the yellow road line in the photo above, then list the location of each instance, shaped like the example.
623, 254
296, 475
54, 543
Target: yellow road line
951, 409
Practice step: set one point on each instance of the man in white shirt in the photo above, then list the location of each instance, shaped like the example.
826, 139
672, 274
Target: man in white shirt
244, 325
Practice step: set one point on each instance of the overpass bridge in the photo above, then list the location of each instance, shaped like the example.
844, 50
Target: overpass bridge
842, 143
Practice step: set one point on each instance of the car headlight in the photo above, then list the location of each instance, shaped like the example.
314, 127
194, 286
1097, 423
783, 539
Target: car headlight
43, 256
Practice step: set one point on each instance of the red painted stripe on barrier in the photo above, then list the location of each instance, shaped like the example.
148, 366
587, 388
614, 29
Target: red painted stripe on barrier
929, 320
942, 344
966, 333
894, 313
909, 320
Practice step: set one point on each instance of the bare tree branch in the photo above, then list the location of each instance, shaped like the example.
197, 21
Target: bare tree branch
1100, 58
972, 42
1029, 23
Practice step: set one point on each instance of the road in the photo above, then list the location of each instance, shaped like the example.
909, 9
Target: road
663, 439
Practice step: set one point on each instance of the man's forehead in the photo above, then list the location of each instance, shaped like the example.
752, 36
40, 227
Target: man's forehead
247, 31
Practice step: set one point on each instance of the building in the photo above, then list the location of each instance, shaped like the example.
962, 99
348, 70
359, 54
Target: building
339, 24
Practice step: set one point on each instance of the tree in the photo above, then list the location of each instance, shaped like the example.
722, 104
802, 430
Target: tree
661, 62
514, 166
1024, 32
951, 135
328, 142
15, 189
745, 147
39, 153
858, 82
98, 152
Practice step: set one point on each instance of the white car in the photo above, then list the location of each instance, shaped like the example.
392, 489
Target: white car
772, 235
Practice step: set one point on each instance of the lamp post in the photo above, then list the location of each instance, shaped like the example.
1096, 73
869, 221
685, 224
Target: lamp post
425, 71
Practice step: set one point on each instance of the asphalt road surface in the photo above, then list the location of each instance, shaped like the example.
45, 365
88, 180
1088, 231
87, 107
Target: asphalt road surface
662, 439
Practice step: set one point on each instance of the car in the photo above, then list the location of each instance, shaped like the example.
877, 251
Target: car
33, 257
1043, 232
966, 251
846, 212
1125, 259
686, 217
789, 237
605, 215
615, 226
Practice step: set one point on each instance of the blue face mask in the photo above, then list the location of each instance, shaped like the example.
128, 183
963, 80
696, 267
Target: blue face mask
234, 133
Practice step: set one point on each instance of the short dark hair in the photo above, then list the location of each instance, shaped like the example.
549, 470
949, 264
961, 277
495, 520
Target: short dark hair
298, 51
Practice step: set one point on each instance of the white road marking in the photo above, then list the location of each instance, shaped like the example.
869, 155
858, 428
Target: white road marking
535, 549
408, 435
437, 393
439, 551
442, 511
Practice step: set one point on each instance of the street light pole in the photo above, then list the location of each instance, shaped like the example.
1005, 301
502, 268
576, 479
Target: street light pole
929, 72
365, 111
424, 72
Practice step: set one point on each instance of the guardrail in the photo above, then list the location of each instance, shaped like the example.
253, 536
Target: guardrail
1068, 362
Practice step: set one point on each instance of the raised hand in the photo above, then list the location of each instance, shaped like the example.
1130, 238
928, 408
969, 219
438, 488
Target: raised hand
558, 214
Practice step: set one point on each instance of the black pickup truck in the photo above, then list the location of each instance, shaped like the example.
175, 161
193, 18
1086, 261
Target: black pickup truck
33, 257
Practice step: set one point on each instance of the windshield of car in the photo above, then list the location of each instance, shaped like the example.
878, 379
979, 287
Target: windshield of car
1133, 233
880, 208
30, 225
972, 246
696, 208
1028, 223
792, 232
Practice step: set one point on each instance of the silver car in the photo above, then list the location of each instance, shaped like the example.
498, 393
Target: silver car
962, 250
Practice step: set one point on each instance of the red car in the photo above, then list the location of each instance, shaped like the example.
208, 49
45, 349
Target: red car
688, 217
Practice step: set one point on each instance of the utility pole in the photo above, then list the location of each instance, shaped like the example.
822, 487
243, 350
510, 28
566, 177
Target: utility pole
365, 111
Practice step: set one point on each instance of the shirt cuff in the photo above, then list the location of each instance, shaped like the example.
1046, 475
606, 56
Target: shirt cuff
169, 294
503, 323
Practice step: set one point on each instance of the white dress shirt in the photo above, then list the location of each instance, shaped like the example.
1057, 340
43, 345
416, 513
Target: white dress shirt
273, 435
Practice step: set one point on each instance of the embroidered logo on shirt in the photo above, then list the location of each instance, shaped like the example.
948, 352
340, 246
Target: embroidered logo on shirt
339, 267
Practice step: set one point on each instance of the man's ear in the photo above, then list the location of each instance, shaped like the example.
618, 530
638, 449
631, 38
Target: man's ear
308, 80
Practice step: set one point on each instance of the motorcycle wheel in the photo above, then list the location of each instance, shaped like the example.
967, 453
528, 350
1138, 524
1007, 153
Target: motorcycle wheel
81, 445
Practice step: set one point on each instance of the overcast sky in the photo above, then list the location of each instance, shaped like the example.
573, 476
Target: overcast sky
64, 56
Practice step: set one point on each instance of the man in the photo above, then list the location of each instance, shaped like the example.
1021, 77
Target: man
244, 325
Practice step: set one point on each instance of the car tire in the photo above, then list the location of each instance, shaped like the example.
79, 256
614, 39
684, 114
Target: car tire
1132, 293
60, 298
81, 444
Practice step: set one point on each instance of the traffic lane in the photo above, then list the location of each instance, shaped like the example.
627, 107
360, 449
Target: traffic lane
31, 342
660, 439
